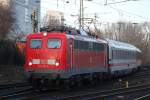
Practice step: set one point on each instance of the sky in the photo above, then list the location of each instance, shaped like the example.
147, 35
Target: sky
135, 11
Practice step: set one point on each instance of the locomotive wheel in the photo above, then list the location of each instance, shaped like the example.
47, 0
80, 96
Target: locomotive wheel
94, 81
66, 85
40, 84
30, 79
91, 80
36, 84
57, 83
79, 82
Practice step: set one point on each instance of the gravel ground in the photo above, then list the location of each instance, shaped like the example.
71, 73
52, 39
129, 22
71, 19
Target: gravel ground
11, 74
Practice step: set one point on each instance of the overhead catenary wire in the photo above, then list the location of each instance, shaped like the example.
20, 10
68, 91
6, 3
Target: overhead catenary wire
130, 13
117, 9
123, 11
106, 3
114, 8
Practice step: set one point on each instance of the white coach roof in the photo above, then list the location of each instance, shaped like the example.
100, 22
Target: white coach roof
122, 45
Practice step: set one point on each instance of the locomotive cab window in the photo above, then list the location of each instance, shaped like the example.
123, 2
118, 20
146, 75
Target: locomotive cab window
35, 43
54, 43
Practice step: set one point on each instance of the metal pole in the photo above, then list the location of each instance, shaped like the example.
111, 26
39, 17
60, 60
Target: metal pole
34, 21
81, 14
106, 2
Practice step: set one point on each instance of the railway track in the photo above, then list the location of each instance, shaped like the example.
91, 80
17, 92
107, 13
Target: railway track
10, 90
8, 86
85, 94
145, 97
107, 93
84, 91
17, 93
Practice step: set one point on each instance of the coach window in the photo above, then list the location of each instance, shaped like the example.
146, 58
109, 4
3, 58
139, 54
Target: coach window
75, 44
79, 44
35, 43
125, 56
131, 54
98, 47
113, 54
54, 43
134, 54
82, 45
90, 46
85, 45
95, 47
119, 56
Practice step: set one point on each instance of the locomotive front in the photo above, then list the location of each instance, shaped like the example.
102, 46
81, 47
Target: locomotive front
45, 55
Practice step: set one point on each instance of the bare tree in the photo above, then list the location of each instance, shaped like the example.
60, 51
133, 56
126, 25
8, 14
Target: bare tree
6, 20
9, 52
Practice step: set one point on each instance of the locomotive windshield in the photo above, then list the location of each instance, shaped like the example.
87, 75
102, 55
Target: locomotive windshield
54, 43
35, 43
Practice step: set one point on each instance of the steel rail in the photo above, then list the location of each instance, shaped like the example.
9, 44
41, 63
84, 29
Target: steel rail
101, 94
17, 92
143, 97
7, 86
118, 93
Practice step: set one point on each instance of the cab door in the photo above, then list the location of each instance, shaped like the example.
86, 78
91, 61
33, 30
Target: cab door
70, 53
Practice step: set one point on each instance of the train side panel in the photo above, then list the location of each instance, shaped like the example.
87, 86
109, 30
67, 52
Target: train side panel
88, 58
122, 57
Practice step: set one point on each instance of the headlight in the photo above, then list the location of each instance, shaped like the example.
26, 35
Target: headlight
57, 63
30, 63
45, 34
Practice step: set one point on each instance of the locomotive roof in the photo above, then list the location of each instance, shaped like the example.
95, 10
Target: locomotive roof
74, 36
122, 45
112, 43
86, 38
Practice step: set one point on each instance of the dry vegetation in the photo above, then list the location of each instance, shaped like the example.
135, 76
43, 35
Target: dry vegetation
9, 53
6, 20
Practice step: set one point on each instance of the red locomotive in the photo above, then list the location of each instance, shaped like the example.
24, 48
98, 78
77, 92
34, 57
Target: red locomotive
71, 56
